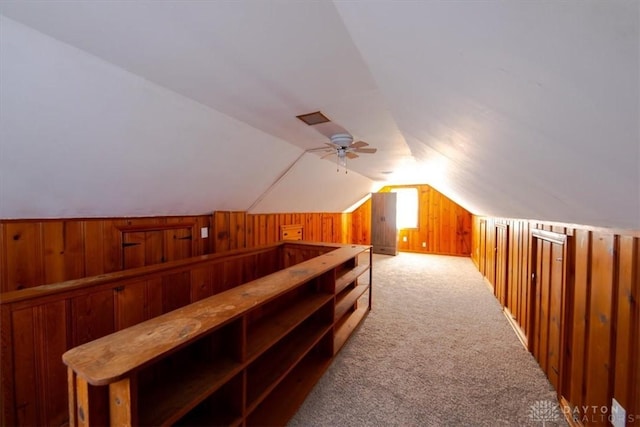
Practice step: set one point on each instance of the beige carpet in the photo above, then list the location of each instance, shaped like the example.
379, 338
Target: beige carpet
435, 351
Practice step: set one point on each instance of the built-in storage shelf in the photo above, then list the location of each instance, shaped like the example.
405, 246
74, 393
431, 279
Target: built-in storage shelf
272, 328
347, 299
271, 367
350, 276
345, 326
247, 356
161, 405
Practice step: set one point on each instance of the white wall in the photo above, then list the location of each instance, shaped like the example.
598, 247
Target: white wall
80, 137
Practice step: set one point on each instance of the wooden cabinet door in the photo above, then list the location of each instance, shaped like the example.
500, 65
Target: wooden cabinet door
178, 244
141, 248
501, 260
384, 234
549, 305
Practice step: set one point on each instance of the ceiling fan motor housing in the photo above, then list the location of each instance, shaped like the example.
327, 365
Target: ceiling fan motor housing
342, 139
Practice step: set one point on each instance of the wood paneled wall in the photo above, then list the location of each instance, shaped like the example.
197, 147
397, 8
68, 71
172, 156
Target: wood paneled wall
360, 229
579, 315
443, 226
39, 325
234, 230
36, 252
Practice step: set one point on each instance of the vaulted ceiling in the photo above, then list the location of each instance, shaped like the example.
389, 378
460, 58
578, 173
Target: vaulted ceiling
513, 109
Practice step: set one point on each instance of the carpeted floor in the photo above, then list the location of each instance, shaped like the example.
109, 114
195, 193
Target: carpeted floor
435, 351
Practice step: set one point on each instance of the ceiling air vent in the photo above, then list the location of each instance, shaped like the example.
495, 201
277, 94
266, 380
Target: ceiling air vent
313, 118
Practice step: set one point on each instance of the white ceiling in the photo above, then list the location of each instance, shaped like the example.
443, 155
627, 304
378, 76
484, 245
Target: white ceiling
516, 109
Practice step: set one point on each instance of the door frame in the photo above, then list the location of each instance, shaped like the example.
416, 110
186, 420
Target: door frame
566, 303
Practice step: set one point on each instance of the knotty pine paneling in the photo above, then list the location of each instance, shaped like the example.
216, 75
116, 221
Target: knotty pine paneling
596, 317
360, 227
37, 252
443, 226
237, 230
579, 319
37, 330
600, 314
627, 354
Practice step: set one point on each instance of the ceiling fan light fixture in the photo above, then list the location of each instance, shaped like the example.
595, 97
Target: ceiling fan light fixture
342, 160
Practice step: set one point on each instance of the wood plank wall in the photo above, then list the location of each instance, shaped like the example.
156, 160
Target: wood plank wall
36, 252
38, 326
443, 225
237, 229
41, 251
590, 308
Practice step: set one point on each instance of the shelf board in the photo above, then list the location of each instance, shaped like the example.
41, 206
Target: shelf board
202, 419
348, 299
344, 280
286, 398
271, 329
264, 374
164, 405
347, 325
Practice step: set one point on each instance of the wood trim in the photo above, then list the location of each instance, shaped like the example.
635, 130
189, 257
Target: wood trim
516, 328
119, 276
7, 399
97, 218
549, 236
154, 227
570, 226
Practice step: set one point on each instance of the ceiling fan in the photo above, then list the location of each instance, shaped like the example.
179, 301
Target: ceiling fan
343, 147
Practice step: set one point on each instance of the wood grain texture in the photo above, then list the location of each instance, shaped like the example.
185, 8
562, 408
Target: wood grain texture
37, 252
595, 316
579, 327
24, 257
600, 334
443, 226
229, 354
627, 327
109, 358
40, 323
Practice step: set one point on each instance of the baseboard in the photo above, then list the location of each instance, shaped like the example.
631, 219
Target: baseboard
516, 328
564, 403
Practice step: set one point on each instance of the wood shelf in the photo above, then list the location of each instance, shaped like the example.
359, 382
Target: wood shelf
161, 405
347, 325
274, 327
347, 278
265, 373
347, 299
283, 402
246, 356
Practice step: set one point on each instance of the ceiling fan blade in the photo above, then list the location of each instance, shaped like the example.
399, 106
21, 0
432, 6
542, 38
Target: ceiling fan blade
358, 144
352, 155
366, 150
327, 155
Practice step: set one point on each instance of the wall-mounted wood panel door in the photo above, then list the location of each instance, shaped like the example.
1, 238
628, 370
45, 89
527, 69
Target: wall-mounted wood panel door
141, 248
502, 258
483, 247
178, 244
549, 305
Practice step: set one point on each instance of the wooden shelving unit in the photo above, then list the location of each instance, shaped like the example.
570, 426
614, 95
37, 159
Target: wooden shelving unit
247, 356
